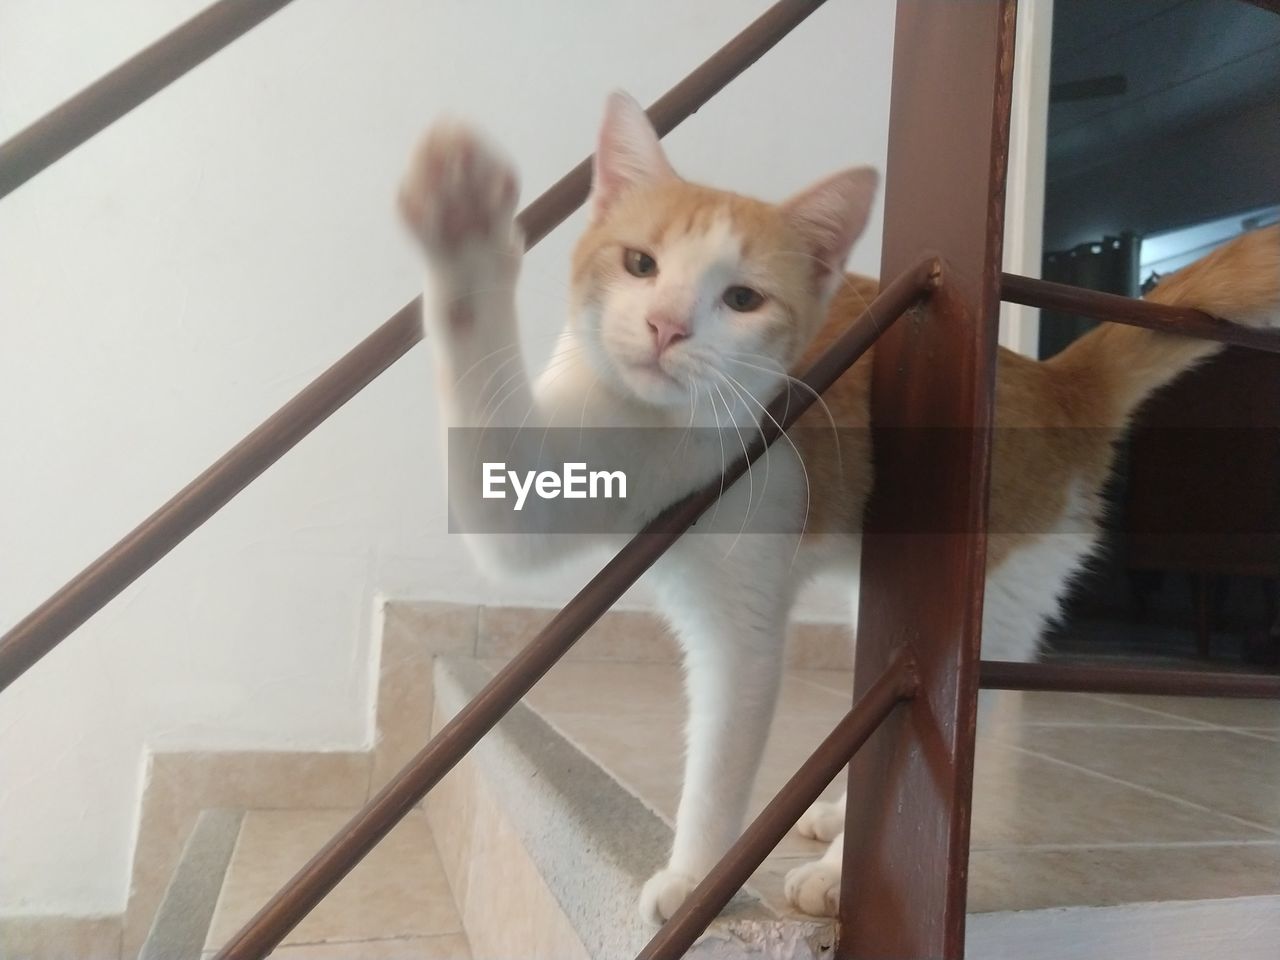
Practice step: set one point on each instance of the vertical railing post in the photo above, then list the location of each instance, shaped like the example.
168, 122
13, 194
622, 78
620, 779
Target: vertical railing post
907, 836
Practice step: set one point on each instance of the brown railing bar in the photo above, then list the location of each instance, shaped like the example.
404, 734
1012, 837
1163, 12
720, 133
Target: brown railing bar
97, 584
117, 92
1138, 313
897, 683
906, 838
1088, 678
676, 105
357, 837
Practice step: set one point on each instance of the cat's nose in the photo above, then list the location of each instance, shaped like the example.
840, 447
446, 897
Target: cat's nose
666, 330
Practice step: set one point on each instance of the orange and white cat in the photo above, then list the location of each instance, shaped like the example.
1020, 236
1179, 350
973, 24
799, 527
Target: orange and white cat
689, 307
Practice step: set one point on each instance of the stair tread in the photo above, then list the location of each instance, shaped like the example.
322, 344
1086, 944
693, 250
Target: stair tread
394, 904
1057, 822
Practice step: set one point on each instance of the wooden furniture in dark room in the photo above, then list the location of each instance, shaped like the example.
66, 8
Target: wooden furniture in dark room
1202, 485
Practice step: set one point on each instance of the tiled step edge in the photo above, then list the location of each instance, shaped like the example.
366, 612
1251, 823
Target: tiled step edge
182, 922
592, 842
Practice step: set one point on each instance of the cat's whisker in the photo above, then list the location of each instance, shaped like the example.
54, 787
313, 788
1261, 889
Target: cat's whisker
684, 437
502, 396
582, 419
551, 417
557, 367
796, 381
693, 414
778, 370
746, 513
493, 375
484, 392
808, 502
764, 488
716, 413
492, 353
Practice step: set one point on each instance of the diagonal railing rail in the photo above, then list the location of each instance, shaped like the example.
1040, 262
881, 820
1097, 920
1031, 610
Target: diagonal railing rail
117, 92
87, 593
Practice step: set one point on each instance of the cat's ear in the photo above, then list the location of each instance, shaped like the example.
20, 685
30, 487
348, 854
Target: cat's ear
831, 215
628, 153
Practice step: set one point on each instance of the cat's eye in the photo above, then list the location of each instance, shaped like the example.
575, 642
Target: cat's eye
639, 263
743, 299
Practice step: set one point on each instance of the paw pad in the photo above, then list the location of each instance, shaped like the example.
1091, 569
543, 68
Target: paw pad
458, 192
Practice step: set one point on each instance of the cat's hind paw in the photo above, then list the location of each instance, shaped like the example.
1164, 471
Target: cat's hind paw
822, 821
663, 894
814, 888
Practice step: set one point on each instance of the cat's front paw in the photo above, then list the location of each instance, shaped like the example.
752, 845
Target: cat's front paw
814, 888
663, 894
822, 821
459, 199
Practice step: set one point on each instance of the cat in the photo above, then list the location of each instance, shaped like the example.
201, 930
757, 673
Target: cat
689, 307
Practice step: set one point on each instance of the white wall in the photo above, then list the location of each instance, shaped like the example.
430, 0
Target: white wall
171, 283
1024, 200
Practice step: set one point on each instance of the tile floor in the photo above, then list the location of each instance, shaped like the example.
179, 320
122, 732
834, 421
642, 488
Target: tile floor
1080, 799
395, 906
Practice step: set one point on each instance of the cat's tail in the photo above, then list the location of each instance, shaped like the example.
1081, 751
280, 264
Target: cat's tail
1239, 282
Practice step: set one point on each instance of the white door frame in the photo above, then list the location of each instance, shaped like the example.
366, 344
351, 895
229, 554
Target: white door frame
1024, 195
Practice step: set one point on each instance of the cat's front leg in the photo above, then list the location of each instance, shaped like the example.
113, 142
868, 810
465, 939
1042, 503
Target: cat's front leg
730, 614
731, 700
458, 198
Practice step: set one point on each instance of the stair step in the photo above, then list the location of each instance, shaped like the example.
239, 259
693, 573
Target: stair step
575, 791
546, 851
1100, 824
395, 904
1079, 800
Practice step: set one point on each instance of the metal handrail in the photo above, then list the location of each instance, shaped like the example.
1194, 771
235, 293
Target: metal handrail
359, 835
1136, 313
117, 92
89, 591
1089, 678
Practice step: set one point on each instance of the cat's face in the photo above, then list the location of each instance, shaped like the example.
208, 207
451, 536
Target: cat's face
680, 291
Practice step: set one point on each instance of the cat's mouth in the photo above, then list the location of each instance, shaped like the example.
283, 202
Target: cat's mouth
651, 382
653, 369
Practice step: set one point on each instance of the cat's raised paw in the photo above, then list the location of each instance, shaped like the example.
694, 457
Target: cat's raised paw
459, 194
663, 894
822, 821
814, 888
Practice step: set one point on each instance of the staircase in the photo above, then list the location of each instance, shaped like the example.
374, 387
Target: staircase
948, 159
538, 843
